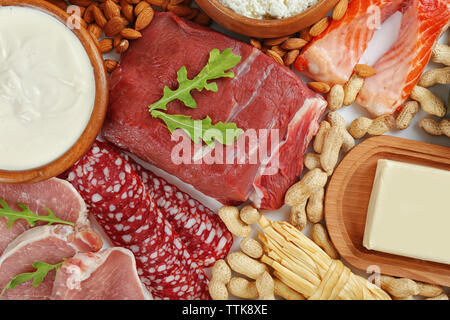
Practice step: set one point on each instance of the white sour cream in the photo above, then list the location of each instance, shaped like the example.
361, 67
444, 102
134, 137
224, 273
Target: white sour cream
47, 88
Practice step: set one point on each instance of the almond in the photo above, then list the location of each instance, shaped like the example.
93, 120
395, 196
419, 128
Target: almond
130, 34
278, 50
304, 34
139, 7
319, 27
275, 56
144, 18
179, 10
202, 19
133, 1
256, 44
123, 46
110, 65
59, 3
117, 40
194, 13
111, 10
165, 4
320, 87
340, 10
275, 41
155, 2
127, 10
175, 2
291, 56
88, 16
105, 45
294, 44
114, 26
95, 31
365, 71
80, 3
99, 17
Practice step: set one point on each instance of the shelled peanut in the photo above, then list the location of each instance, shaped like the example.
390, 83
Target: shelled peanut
122, 21
406, 289
374, 127
429, 102
435, 128
298, 195
321, 238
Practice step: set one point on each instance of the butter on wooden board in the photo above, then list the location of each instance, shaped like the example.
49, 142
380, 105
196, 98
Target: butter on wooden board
409, 212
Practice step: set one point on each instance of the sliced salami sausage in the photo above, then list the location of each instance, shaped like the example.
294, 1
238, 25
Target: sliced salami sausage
204, 234
117, 197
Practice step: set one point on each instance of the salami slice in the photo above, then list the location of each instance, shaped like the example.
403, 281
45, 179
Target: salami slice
117, 197
202, 231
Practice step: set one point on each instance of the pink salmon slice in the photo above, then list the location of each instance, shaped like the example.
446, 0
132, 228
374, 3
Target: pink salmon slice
331, 57
399, 70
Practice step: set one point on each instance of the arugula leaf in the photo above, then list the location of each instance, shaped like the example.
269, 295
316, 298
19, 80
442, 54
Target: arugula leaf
27, 214
217, 64
42, 269
225, 133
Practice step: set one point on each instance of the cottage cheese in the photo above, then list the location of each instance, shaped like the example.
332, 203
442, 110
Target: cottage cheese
268, 9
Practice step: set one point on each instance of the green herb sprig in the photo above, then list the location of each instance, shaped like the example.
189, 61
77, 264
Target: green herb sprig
216, 68
38, 276
224, 133
28, 215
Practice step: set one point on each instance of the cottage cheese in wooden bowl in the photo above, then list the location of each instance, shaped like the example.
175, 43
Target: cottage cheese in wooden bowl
266, 18
269, 9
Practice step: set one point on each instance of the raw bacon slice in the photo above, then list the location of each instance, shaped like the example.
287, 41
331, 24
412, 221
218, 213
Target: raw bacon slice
50, 244
122, 206
332, 56
55, 194
106, 275
206, 237
399, 70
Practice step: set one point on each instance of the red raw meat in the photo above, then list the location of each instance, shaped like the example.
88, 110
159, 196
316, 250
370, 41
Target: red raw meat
332, 56
55, 194
50, 244
204, 234
263, 95
122, 206
399, 70
106, 275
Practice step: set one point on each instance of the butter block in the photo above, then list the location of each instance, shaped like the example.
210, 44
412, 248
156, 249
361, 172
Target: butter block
409, 212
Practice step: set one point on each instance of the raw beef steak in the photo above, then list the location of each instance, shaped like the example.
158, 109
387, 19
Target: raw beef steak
262, 95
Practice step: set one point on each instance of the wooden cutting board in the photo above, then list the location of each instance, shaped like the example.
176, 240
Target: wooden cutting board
347, 200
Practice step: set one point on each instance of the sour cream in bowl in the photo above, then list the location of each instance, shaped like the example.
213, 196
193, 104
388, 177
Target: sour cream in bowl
53, 91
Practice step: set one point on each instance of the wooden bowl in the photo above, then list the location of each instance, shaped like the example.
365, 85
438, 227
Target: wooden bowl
98, 114
265, 28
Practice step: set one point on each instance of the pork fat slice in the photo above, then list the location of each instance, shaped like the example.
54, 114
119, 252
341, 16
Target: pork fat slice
106, 275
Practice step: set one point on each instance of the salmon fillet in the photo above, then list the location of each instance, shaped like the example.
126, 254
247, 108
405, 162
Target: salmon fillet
332, 56
399, 70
